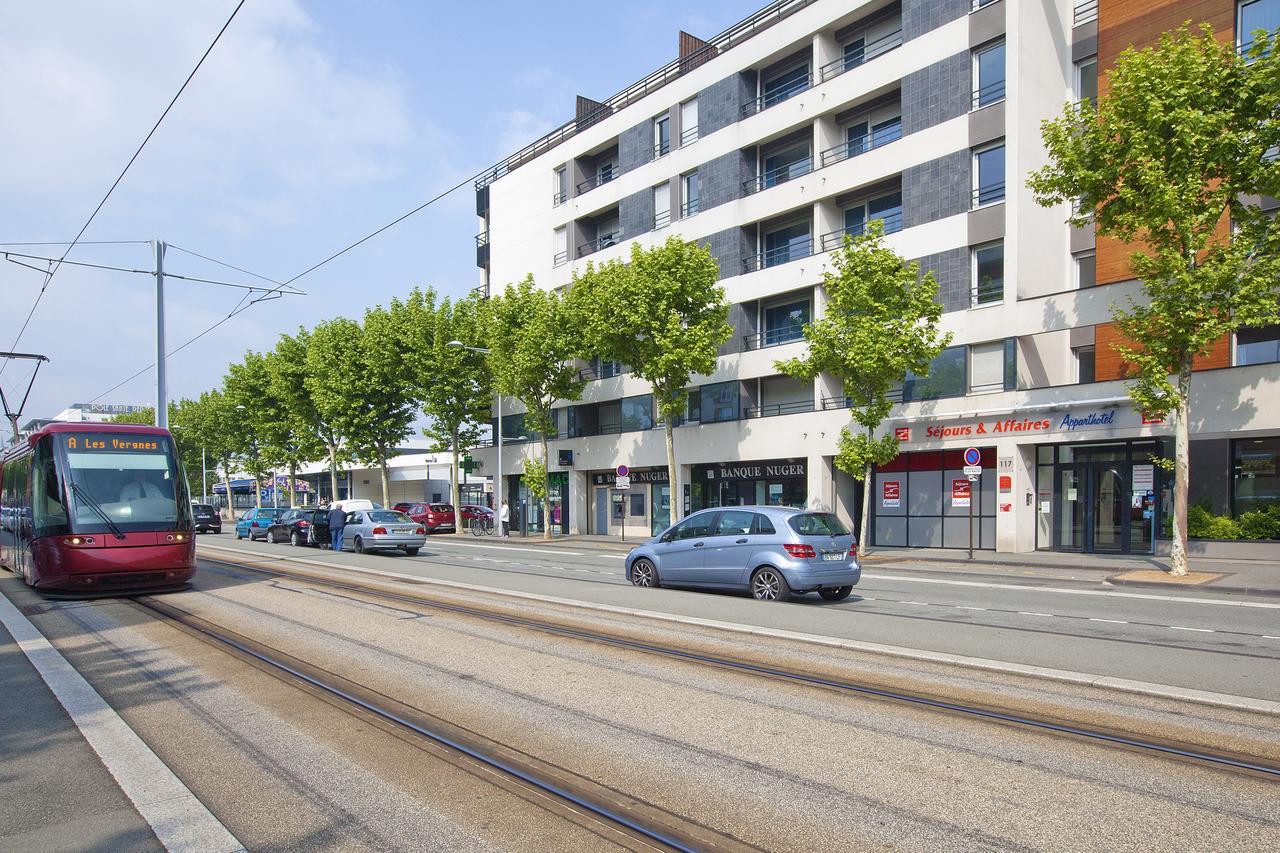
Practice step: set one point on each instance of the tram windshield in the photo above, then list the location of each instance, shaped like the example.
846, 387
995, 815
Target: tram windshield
117, 482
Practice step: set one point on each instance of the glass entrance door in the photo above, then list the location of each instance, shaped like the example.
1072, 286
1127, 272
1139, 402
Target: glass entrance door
1071, 500
1108, 508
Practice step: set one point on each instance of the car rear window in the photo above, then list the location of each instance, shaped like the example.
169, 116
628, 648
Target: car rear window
441, 508
388, 515
271, 513
202, 508
817, 524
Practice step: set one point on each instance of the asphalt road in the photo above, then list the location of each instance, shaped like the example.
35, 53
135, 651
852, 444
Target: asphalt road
1199, 641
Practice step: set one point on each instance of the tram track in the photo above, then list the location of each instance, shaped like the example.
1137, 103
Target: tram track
1171, 749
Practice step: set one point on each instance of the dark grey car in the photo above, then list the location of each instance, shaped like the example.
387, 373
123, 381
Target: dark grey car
770, 551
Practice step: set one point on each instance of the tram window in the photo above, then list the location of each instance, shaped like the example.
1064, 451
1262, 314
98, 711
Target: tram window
49, 509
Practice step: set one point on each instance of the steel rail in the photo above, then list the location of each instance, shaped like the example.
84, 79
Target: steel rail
1180, 751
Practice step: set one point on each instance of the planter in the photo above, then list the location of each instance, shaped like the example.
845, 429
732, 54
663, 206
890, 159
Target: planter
1226, 549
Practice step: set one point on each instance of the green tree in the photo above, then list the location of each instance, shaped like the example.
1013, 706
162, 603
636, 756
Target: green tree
248, 393
452, 384
1173, 157
532, 341
663, 315
295, 429
880, 323
207, 422
357, 379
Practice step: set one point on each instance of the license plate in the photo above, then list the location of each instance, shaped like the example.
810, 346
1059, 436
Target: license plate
833, 555
404, 530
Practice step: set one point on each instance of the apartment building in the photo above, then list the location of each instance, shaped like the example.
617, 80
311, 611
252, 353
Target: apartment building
771, 141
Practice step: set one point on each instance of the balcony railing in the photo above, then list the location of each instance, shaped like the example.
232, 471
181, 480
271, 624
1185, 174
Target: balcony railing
1086, 11
775, 409
559, 198
862, 144
829, 403
988, 94
689, 208
779, 175
662, 219
781, 255
778, 95
774, 337
661, 148
596, 180
835, 239
482, 239
688, 136
988, 291
602, 242
560, 258
854, 58
989, 194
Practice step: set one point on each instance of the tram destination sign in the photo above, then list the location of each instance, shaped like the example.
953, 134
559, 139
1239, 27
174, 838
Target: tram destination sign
106, 442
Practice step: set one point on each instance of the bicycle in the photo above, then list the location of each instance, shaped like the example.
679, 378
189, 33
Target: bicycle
482, 527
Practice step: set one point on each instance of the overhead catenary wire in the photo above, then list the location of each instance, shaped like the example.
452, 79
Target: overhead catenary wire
44, 287
167, 275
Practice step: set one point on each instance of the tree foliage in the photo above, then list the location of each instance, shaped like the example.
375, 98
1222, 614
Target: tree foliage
1173, 159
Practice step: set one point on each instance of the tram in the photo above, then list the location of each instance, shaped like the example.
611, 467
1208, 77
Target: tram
96, 508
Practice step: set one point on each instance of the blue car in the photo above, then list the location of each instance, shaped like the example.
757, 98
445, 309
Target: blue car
772, 552
254, 523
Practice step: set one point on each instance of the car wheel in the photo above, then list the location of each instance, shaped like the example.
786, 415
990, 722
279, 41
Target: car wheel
768, 584
359, 545
411, 552
238, 536
644, 573
838, 594
295, 540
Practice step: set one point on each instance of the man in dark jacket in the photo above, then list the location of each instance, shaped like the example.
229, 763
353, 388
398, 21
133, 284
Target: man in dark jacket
337, 520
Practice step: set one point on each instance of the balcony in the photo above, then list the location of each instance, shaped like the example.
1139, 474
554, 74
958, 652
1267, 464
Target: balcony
775, 409
662, 219
835, 239
854, 58
793, 251
1085, 11
482, 249
774, 337
688, 136
830, 403
599, 179
604, 241
989, 194
779, 175
862, 144
778, 95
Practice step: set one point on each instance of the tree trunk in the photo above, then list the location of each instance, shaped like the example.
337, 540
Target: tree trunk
386, 478
1181, 470
226, 481
864, 524
546, 490
293, 481
457, 498
333, 471
673, 474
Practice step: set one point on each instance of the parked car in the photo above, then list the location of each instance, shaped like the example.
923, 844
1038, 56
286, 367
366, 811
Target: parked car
207, 518
772, 552
472, 511
295, 525
431, 516
254, 523
382, 529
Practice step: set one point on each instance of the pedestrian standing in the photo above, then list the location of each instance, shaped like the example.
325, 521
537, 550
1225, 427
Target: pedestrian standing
337, 520
506, 520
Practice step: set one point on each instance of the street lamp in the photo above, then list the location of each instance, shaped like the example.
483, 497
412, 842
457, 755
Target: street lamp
497, 483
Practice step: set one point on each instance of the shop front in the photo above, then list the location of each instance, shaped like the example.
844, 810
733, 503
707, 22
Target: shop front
924, 499
527, 514
642, 509
1103, 497
771, 482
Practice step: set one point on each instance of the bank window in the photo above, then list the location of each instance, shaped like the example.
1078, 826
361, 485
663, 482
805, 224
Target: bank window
719, 402
986, 368
1258, 346
946, 377
1257, 15
1256, 480
637, 413
988, 273
1085, 364
637, 504
1087, 80
1086, 264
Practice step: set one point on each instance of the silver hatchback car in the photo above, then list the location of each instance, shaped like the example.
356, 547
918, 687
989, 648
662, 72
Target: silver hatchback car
382, 529
771, 551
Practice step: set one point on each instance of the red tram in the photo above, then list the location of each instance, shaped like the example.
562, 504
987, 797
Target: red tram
96, 508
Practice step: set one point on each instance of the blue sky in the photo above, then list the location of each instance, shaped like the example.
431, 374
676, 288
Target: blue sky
311, 124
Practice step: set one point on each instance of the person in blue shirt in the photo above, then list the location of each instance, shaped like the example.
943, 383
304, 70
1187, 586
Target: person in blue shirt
337, 520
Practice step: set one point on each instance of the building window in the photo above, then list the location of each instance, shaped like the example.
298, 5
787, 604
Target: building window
605, 172
561, 246
1087, 80
693, 406
1257, 15
661, 135
606, 369
561, 186
887, 208
786, 244
782, 166
986, 368
786, 85
1258, 346
988, 273
719, 402
1255, 480
1086, 264
988, 71
988, 175
662, 205
946, 378
692, 195
1010, 364
636, 413
689, 121
1086, 359
784, 323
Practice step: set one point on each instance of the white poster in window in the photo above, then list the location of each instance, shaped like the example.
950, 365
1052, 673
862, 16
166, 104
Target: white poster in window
1144, 478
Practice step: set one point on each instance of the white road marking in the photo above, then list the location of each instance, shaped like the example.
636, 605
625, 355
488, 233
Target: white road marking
962, 607
510, 548
921, 603
1269, 637
1112, 621
1201, 630
1062, 591
1032, 613
179, 820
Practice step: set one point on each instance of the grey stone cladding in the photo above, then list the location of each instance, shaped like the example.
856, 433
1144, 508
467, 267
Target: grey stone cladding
951, 269
936, 189
720, 180
935, 94
742, 317
729, 247
635, 214
720, 104
921, 16
635, 146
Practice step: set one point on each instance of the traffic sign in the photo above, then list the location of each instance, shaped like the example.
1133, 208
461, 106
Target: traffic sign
622, 482
973, 478
623, 471
973, 456
973, 470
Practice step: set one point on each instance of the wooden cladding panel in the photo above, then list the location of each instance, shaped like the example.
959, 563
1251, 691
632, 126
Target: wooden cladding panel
1109, 364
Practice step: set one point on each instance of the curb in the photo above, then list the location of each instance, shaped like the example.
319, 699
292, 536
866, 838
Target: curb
1214, 586
1141, 688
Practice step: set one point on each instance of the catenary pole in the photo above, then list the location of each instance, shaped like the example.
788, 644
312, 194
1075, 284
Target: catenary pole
162, 397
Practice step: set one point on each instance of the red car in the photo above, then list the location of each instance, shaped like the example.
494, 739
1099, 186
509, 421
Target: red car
431, 516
